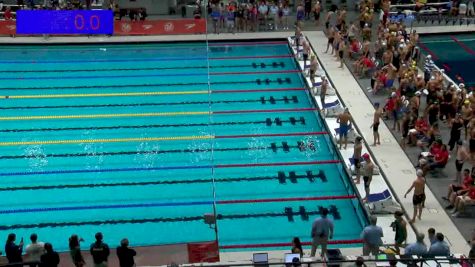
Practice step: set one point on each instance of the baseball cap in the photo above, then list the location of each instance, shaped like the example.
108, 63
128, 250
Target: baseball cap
365, 156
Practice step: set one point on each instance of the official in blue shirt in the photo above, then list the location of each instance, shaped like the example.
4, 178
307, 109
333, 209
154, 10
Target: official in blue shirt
418, 248
440, 247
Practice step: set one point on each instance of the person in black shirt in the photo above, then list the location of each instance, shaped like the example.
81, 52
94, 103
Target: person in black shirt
125, 254
99, 251
13, 251
50, 258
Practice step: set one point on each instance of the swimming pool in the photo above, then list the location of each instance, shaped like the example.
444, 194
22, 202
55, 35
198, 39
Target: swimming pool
142, 140
453, 52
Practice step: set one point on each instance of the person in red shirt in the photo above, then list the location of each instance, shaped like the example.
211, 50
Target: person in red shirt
8, 15
456, 190
462, 201
440, 159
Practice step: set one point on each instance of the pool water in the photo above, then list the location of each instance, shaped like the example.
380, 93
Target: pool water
453, 52
142, 140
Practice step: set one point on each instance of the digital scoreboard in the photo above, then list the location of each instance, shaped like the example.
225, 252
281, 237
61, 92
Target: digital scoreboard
64, 22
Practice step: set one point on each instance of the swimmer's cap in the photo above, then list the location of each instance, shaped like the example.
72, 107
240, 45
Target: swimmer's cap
365, 156
419, 172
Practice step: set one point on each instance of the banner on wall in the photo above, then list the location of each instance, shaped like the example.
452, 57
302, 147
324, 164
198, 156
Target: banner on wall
203, 252
160, 27
7, 27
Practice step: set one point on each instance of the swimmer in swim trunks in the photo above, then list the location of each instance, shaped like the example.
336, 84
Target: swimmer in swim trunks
419, 196
344, 119
378, 113
368, 171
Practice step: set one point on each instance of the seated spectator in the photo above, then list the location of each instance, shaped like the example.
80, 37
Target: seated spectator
421, 127
12, 250
461, 201
35, 249
439, 161
142, 14
50, 258
8, 15
297, 246
439, 247
460, 189
418, 248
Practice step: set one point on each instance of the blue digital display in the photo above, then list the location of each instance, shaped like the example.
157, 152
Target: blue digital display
65, 22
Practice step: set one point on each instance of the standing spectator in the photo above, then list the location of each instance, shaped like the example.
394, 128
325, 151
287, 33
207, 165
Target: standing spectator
75, 251
300, 15
99, 251
371, 236
8, 15
273, 16
308, 8
357, 158
419, 196
368, 171
462, 155
399, 227
13, 250
439, 247
50, 258
285, 15
317, 9
297, 246
34, 250
322, 231
431, 235
125, 254
418, 248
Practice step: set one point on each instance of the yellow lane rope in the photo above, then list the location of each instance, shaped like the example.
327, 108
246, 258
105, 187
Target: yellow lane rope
106, 95
115, 140
98, 116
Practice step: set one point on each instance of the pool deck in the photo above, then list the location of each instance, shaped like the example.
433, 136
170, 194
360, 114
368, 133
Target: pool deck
391, 158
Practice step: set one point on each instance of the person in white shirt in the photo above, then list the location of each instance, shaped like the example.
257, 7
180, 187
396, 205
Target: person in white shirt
35, 249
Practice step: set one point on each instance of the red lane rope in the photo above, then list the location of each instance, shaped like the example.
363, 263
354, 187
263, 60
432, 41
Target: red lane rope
318, 162
256, 90
263, 110
245, 57
269, 135
268, 245
464, 46
238, 201
253, 72
248, 43
423, 46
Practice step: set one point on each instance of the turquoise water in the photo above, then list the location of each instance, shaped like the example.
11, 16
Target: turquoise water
131, 141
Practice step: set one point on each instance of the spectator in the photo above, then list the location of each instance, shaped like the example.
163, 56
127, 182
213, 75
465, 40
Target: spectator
462, 155
418, 248
440, 159
13, 251
461, 201
50, 258
322, 231
439, 247
459, 189
371, 236
399, 227
125, 254
8, 15
75, 251
431, 235
360, 262
419, 196
34, 250
99, 251
368, 171
297, 246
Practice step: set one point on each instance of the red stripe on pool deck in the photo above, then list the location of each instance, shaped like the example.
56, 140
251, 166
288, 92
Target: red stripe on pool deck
319, 162
423, 46
238, 201
263, 110
249, 43
269, 245
253, 72
464, 46
256, 90
246, 57
268, 135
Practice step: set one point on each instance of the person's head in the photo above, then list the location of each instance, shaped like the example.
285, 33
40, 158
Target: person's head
376, 105
466, 172
431, 232
33, 238
439, 237
359, 261
373, 220
366, 157
296, 242
124, 242
358, 139
11, 238
398, 215
324, 212
99, 237
419, 173
392, 262
420, 238
48, 247
73, 241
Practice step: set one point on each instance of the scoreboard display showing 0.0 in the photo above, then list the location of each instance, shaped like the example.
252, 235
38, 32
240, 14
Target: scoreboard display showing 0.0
65, 22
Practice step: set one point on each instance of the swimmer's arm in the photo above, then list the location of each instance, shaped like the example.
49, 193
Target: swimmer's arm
409, 190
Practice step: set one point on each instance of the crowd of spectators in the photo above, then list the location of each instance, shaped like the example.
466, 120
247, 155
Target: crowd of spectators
39, 254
